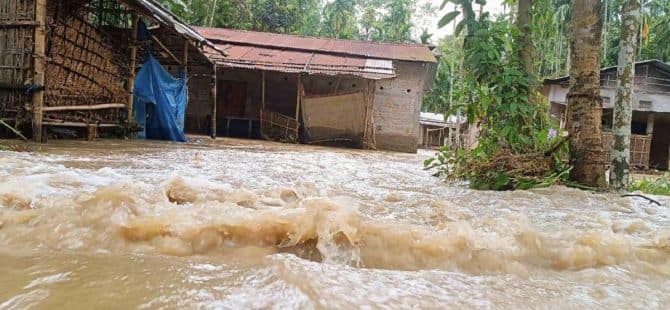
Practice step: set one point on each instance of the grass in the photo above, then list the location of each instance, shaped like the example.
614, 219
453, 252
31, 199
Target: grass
656, 185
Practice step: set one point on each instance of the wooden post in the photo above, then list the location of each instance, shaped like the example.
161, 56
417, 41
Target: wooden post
214, 101
92, 133
297, 101
39, 66
165, 49
133, 64
263, 90
262, 103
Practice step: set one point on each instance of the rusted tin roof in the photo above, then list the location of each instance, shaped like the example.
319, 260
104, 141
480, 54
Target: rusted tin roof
291, 61
404, 52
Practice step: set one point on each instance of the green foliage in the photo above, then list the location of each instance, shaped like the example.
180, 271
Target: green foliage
340, 19
425, 36
398, 20
389, 20
653, 185
371, 20
514, 129
280, 16
448, 71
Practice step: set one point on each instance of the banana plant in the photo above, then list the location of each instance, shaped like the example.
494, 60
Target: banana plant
466, 9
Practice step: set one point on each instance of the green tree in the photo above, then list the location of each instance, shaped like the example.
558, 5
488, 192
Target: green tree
425, 36
398, 20
339, 19
369, 22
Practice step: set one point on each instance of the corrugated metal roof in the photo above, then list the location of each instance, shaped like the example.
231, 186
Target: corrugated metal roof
405, 52
291, 61
436, 119
654, 62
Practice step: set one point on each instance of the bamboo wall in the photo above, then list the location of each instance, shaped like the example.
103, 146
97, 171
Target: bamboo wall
88, 65
16, 36
80, 72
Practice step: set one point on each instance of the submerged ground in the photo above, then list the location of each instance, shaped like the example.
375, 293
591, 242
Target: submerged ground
250, 224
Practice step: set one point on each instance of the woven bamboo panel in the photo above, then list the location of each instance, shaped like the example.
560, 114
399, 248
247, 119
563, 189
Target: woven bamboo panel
80, 71
640, 148
16, 41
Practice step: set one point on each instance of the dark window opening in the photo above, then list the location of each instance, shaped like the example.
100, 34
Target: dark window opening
409, 91
638, 128
645, 104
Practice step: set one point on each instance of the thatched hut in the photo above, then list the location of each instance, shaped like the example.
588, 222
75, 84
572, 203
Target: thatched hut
71, 64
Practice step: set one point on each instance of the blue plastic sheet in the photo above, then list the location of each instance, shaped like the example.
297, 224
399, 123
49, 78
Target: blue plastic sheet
160, 102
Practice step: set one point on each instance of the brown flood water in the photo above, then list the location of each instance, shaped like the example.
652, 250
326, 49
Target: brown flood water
250, 224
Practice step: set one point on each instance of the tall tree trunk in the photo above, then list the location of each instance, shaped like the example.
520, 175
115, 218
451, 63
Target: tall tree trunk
211, 17
523, 21
623, 107
584, 101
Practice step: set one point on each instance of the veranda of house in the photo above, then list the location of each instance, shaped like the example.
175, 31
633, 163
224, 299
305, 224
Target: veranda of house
312, 90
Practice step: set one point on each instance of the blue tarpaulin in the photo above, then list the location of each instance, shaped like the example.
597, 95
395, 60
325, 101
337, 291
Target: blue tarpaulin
160, 102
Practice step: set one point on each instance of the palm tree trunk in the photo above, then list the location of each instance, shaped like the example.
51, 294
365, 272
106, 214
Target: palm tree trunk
523, 21
584, 101
623, 106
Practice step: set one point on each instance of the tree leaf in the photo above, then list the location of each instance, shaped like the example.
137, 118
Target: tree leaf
459, 28
444, 3
447, 18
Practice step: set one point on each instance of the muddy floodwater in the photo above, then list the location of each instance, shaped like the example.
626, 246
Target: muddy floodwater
249, 224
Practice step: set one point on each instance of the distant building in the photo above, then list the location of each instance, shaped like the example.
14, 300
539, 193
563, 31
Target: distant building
437, 132
313, 90
650, 142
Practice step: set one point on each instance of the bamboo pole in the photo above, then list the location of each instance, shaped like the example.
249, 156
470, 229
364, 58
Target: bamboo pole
82, 107
133, 64
39, 66
214, 101
79, 124
165, 49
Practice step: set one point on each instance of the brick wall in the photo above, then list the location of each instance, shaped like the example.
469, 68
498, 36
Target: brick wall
397, 106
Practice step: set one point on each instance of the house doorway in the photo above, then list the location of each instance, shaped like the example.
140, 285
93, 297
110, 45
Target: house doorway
660, 144
231, 109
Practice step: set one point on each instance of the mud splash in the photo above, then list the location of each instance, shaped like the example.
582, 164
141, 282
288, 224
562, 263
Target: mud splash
308, 227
